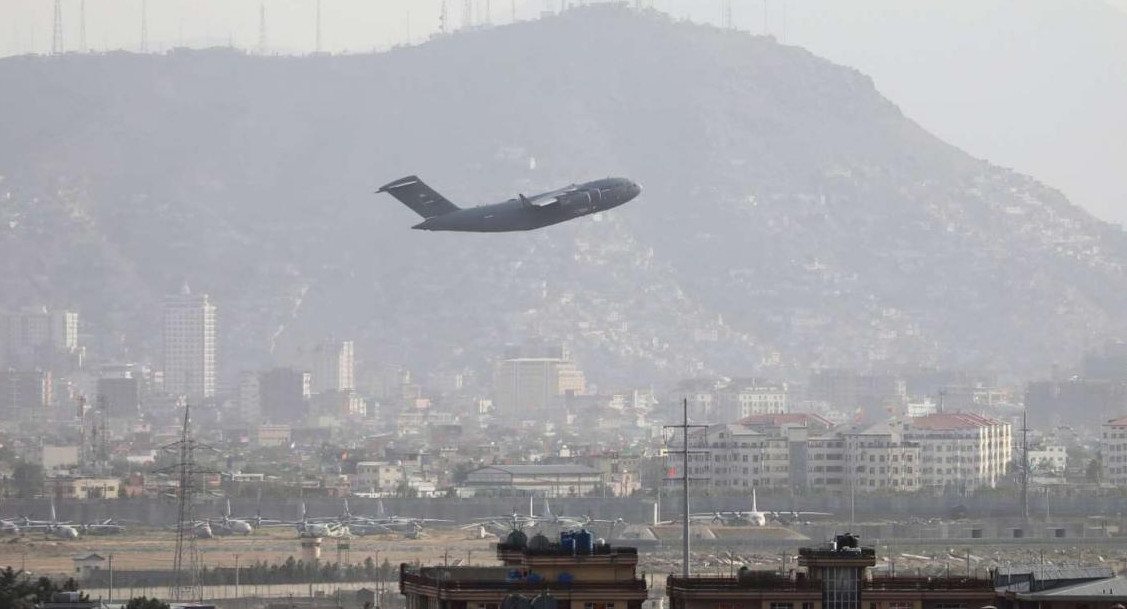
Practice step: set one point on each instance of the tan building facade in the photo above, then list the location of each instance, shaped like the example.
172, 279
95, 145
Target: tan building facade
1113, 452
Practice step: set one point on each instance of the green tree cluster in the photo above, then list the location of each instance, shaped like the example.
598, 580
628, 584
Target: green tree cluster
19, 591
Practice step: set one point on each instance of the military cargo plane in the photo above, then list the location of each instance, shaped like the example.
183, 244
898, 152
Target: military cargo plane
519, 214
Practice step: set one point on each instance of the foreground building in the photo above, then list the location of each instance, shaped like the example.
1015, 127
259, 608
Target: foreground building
574, 573
836, 576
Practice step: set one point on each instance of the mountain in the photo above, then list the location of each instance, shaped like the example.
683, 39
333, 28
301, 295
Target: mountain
791, 215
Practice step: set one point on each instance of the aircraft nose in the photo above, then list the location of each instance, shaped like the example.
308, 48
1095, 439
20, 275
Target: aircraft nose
635, 189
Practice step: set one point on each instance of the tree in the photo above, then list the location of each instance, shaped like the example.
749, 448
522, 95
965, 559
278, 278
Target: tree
141, 602
1093, 471
18, 591
28, 480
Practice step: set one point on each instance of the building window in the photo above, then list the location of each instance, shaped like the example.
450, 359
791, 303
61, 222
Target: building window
782, 605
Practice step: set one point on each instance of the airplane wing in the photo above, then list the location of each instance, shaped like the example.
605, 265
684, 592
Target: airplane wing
547, 198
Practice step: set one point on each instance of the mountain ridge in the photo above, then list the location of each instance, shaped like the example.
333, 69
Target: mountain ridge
792, 216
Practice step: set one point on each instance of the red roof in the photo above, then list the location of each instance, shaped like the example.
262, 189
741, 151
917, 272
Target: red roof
1120, 422
952, 420
788, 418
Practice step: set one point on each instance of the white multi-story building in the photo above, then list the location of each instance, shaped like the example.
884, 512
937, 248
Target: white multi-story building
189, 345
960, 451
877, 459
333, 367
1113, 452
1048, 460
766, 451
754, 397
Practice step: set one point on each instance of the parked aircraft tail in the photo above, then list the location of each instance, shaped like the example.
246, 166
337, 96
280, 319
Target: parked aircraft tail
424, 200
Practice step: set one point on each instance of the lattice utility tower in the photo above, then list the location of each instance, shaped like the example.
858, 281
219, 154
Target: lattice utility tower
144, 26
726, 14
317, 46
262, 28
57, 38
185, 584
442, 17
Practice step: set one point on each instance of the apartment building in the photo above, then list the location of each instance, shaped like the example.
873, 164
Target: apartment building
1113, 452
801, 451
960, 451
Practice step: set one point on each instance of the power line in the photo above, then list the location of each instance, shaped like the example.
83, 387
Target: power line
685, 513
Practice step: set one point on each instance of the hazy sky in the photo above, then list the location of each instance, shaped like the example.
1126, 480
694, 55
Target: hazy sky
1037, 85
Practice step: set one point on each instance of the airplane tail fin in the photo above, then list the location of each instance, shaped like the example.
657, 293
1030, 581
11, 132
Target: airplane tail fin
424, 200
754, 506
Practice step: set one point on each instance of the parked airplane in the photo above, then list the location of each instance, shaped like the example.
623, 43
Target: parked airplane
754, 517
547, 517
52, 528
519, 214
319, 527
360, 524
229, 525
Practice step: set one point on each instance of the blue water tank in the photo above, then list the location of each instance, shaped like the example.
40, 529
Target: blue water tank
567, 542
584, 541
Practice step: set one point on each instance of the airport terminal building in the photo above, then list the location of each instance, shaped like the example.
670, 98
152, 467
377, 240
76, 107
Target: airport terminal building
540, 480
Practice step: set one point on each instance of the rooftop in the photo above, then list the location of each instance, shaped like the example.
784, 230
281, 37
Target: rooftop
551, 470
1114, 588
1120, 422
789, 418
952, 420
769, 580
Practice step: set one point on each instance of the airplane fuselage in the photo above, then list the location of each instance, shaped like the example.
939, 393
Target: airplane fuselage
528, 213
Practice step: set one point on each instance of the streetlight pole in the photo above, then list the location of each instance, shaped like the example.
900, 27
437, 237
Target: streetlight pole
237, 597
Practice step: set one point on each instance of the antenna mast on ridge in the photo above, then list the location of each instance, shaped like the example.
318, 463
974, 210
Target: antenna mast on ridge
57, 38
262, 28
317, 43
144, 26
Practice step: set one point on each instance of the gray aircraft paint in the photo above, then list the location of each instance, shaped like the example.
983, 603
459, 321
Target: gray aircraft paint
519, 214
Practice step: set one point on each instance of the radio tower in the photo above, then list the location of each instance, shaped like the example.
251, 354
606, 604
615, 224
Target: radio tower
57, 39
726, 14
442, 18
144, 26
318, 43
262, 28
186, 563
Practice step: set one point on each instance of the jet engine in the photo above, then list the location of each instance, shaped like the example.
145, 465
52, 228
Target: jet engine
577, 200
